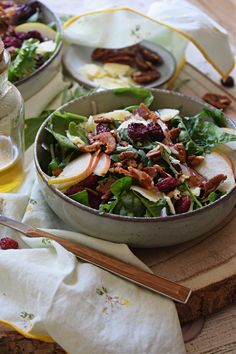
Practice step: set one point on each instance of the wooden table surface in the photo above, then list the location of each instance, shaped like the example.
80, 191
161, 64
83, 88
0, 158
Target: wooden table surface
224, 12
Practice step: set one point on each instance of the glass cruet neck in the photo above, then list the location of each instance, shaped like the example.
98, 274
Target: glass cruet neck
4, 64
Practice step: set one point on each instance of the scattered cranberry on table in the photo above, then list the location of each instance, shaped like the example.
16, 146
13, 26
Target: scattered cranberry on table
229, 82
7, 243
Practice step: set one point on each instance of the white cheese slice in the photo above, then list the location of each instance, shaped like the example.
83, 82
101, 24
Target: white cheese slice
170, 204
117, 70
150, 195
119, 114
167, 114
46, 47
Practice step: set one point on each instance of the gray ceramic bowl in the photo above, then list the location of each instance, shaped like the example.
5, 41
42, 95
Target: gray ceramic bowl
43, 75
135, 231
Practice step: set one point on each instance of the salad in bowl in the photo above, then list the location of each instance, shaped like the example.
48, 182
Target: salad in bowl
142, 162
29, 37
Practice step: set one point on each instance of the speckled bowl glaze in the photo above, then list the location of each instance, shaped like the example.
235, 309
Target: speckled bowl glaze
30, 85
135, 231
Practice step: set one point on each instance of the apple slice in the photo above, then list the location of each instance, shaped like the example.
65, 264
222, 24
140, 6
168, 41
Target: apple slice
95, 159
77, 169
150, 195
103, 165
215, 163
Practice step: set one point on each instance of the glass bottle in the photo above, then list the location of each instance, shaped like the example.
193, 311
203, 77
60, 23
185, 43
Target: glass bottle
11, 129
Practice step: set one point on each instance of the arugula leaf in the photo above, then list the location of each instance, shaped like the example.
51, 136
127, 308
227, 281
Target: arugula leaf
143, 94
25, 62
200, 135
81, 197
121, 185
32, 126
108, 207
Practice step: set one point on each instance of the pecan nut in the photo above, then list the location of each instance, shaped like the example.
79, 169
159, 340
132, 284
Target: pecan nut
216, 100
100, 53
118, 58
194, 160
128, 155
150, 55
105, 120
212, 184
107, 139
174, 133
145, 77
143, 64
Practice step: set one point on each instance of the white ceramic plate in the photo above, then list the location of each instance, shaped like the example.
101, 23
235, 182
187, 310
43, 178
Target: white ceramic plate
75, 57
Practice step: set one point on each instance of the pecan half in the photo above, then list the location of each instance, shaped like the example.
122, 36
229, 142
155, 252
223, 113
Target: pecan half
181, 151
218, 101
155, 153
105, 189
128, 155
143, 64
174, 133
107, 139
194, 160
212, 184
145, 77
146, 114
100, 53
119, 58
150, 55
103, 120
142, 177
154, 171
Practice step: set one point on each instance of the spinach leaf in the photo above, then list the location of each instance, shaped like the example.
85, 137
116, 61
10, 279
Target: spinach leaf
152, 208
129, 205
121, 185
81, 197
76, 130
108, 207
143, 94
217, 115
62, 140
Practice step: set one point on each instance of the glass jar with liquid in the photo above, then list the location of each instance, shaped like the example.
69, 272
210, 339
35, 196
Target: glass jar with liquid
11, 129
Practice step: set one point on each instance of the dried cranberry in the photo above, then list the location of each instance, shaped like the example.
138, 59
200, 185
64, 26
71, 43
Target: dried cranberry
35, 35
21, 35
155, 131
23, 12
183, 204
89, 182
95, 199
137, 131
167, 184
12, 42
229, 82
100, 128
7, 243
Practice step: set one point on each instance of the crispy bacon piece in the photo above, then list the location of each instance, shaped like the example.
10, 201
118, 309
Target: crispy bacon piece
212, 184
107, 139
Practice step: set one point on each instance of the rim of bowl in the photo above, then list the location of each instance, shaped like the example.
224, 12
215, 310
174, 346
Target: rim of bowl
115, 216
55, 54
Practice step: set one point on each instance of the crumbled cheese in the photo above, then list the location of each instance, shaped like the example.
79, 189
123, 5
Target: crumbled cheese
176, 194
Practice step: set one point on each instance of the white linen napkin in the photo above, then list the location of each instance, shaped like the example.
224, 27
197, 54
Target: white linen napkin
170, 23
47, 294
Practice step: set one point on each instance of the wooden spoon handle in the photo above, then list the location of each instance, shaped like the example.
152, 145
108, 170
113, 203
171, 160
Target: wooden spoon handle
150, 281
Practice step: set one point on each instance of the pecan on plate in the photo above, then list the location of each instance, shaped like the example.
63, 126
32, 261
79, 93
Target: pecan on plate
142, 177
105, 189
212, 184
118, 58
150, 55
143, 64
218, 101
131, 51
127, 155
145, 77
100, 53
